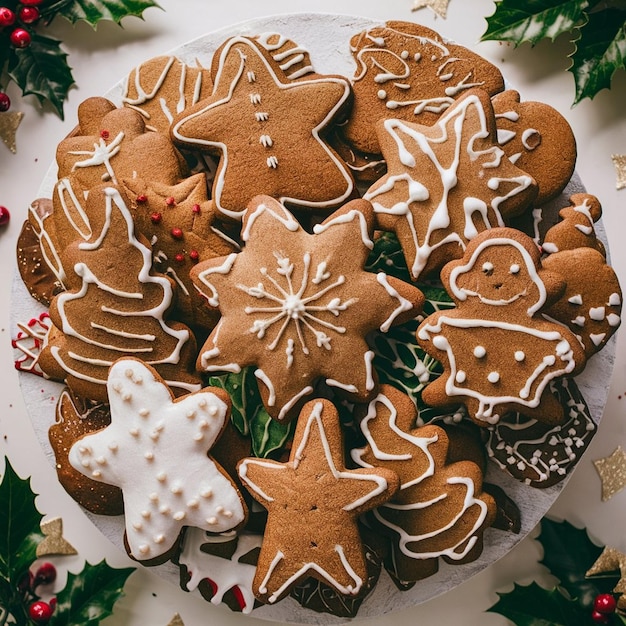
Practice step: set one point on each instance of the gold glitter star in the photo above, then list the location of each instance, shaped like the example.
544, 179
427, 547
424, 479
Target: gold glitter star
609, 561
176, 621
619, 160
440, 7
53, 543
612, 471
9, 123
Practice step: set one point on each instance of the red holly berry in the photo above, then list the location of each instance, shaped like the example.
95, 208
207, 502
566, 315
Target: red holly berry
196, 208
104, 134
31, 3
170, 201
605, 603
142, 198
40, 612
20, 38
45, 574
7, 17
5, 216
177, 233
156, 218
28, 15
600, 618
179, 258
194, 255
5, 102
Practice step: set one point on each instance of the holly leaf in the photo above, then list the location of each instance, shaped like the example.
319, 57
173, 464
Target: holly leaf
41, 69
20, 525
600, 51
88, 597
530, 21
268, 435
92, 11
533, 605
568, 554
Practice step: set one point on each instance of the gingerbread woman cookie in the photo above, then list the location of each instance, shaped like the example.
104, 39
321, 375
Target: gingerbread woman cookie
298, 306
313, 490
499, 353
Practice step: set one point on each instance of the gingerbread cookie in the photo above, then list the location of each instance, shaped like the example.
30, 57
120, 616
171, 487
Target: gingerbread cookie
296, 495
446, 183
115, 305
261, 124
298, 306
499, 353
538, 139
75, 418
141, 452
440, 509
162, 87
408, 72
542, 455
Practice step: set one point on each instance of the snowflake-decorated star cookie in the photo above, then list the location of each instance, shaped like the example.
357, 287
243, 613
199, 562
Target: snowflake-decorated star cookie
313, 490
298, 306
156, 450
499, 353
446, 183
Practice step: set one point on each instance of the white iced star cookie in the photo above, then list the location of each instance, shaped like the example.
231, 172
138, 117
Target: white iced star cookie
156, 450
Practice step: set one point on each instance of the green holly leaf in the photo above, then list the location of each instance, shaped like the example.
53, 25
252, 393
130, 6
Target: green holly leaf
92, 11
568, 554
88, 597
533, 605
41, 69
387, 256
268, 435
600, 52
530, 21
20, 526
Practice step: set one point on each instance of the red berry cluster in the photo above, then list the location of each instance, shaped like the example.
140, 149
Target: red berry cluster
39, 611
603, 608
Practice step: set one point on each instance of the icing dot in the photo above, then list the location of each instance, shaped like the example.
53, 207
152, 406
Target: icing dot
460, 377
144, 548
207, 493
514, 269
85, 463
159, 539
493, 377
113, 446
127, 397
220, 509
164, 509
179, 515
149, 456
213, 410
144, 412
198, 436
161, 477
519, 356
417, 57
193, 504
170, 201
116, 387
134, 432
480, 352
101, 460
227, 514
96, 473
137, 525
191, 414
211, 521
487, 267
440, 342
202, 403
154, 497
404, 54
382, 94
128, 373
146, 514
176, 490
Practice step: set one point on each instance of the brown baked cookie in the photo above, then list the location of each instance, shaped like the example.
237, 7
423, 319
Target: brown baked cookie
365, 167
179, 221
156, 450
446, 183
498, 352
35, 270
538, 139
76, 417
408, 72
162, 87
313, 490
112, 144
575, 229
542, 455
261, 124
117, 305
440, 509
591, 305
298, 306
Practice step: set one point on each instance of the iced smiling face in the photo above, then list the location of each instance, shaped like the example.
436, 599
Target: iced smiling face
500, 272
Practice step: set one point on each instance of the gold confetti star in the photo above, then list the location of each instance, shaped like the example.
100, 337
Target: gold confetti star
609, 561
176, 621
53, 542
440, 7
9, 123
612, 471
619, 160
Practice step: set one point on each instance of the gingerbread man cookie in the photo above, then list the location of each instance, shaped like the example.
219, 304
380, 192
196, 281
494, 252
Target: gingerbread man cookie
298, 306
446, 183
141, 452
499, 353
440, 509
313, 490
261, 124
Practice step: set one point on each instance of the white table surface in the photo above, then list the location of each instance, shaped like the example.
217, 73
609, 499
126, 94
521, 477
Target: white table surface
99, 60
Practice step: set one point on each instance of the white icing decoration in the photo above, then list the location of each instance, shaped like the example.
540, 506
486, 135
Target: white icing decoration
615, 300
528, 135
479, 351
577, 299
597, 338
613, 319
102, 154
597, 314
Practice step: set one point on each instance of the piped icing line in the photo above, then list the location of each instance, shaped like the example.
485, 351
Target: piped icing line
282, 216
219, 180
48, 248
203, 277
73, 208
142, 95
404, 305
101, 154
214, 352
345, 218
223, 574
140, 452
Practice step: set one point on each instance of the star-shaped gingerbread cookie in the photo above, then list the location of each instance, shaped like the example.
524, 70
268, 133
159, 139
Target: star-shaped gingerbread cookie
156, 450
298, 306
268, 132
313, 491
446, 183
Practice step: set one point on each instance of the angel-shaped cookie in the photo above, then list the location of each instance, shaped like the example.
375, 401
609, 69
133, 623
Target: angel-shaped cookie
498, 352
